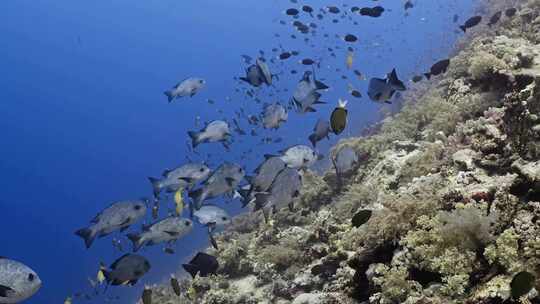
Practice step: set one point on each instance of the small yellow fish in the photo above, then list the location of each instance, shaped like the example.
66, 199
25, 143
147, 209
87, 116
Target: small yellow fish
179, 202
68, 300
101, 275
350, 59
192, 293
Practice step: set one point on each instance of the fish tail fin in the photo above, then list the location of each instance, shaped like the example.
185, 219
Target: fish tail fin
88, 235
155, 185
428, 75
191, 269
313, 139
463, 28
194, 138
136, 240
170, 95
320, 85
245, 194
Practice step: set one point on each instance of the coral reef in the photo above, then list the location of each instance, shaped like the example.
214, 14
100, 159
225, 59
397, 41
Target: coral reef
452, 180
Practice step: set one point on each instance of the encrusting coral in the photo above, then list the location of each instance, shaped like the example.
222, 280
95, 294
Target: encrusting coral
452, 181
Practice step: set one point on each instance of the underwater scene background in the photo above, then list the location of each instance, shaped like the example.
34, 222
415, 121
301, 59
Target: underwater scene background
421, 188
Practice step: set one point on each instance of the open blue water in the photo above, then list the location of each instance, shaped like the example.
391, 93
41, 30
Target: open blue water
84, 121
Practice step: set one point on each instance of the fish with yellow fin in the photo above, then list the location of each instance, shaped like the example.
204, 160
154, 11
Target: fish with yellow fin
100, 277
350, 59
179, 202
67, 300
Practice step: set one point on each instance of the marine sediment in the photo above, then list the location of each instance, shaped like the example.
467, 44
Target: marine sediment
452, 181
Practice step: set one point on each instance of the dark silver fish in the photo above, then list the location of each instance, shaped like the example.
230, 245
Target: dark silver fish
263, 178
187, 87
282, 192
306, 95
183, 177
167, 230
224, 180
118, 216
320, 131
215, 131
127, 270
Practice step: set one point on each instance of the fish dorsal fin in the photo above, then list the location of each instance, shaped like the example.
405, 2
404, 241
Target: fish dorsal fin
166, 172
342, 103
113, 266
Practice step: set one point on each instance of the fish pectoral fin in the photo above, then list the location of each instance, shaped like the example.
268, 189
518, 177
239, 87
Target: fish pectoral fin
230, 181
171, 233
124, 228
6, 291
127, 221
310, 109
188, 180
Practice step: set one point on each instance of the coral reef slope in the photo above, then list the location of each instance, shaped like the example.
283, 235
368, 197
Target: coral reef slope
452, 181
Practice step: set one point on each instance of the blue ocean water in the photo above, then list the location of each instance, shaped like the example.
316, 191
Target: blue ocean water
84, 120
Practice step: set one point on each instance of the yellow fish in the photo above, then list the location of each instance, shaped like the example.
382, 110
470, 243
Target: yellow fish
101, 275
191, 293
179, 202
68, 300
350, 59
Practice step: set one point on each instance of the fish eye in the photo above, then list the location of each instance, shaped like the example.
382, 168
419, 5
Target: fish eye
188, 223
137, 207
224, 218
31, 277
201, 169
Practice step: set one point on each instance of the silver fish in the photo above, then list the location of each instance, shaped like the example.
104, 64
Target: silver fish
211, 214
382, 90
345, 160
127, 270
265, 71
223, 181
187, 87
283, 190
118, 216
183, 177
320, 131
167, 230
300, 156
215, 131
265, 174
254, 76
17, 281
306, 95
273, 116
